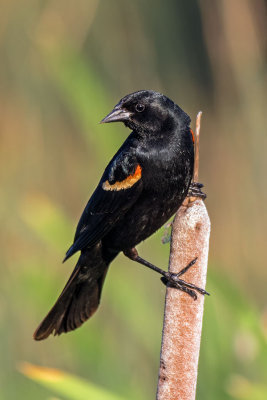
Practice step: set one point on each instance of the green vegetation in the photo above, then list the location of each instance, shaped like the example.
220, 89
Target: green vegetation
63, 67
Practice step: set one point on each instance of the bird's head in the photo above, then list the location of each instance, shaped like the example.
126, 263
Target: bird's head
148, 111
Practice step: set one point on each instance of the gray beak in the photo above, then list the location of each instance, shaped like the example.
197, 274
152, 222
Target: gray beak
116, 115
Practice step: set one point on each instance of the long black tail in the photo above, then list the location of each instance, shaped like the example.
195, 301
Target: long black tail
79, 298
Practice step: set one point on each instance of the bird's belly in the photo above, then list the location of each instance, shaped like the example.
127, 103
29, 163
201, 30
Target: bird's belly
146, 217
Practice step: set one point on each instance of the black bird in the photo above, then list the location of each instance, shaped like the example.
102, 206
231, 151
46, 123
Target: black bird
141, 188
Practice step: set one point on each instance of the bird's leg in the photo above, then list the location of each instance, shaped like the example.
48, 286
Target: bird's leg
168, 278
195, 190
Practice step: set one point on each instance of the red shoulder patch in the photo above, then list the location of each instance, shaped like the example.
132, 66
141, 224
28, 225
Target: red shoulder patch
126, 183
193, 136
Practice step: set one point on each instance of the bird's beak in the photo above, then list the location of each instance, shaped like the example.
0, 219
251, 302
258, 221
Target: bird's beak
116, 115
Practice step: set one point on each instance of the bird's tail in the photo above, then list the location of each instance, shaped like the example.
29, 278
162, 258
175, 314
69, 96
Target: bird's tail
79, 298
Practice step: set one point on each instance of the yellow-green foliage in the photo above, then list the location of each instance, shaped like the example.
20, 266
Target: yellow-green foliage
64, 65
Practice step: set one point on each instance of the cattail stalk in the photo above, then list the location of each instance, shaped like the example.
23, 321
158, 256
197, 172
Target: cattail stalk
183, 316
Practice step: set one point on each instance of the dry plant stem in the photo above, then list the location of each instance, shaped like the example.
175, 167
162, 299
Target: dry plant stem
183, 316
197, 133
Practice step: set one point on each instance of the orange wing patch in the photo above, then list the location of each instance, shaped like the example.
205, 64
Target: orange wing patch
193, 136
126, 183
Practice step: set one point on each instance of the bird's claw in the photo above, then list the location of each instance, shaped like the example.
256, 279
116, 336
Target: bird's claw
172, 280
195, 190
178, 284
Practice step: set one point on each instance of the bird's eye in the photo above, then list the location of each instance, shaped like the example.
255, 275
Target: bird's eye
139, 107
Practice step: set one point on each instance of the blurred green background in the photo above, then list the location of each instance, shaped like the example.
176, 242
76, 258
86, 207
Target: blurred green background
64, 65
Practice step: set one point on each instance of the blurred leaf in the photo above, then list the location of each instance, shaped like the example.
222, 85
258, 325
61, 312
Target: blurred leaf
67, 385
85, 97
230, 320
242, 389
129, 299
46, 219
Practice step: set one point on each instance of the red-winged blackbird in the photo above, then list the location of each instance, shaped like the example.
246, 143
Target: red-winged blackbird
142, 187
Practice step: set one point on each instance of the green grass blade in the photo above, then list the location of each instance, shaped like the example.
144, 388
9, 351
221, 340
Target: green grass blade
64, 384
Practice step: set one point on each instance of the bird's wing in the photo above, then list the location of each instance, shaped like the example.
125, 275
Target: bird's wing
117, 191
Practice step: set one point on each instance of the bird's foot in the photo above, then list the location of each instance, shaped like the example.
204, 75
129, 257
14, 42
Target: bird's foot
169, 279
195, 190
173, 280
